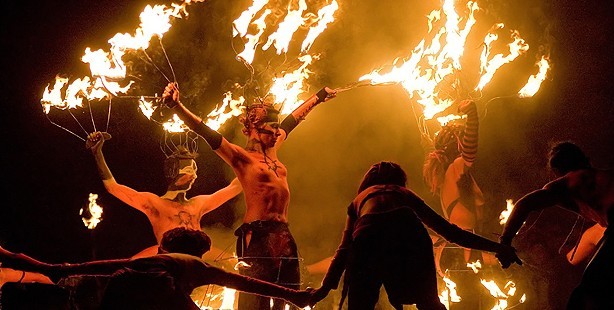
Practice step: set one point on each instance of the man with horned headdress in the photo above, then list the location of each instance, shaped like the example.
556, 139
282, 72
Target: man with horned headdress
264, 240
173, 209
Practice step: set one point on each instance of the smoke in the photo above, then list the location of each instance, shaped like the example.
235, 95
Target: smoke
329, 152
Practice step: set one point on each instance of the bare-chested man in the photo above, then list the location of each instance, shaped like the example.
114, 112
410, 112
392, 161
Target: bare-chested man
173, 209
590, 193
264, 240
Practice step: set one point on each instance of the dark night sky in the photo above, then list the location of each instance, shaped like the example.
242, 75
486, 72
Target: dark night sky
48, 173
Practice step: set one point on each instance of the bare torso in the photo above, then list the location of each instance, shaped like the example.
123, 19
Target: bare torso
460, 214
265, 186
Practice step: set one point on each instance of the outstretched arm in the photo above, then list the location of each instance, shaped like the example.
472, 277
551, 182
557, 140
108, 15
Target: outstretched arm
56, 271
204, 273
229, 152
339, 261
133, 198
554, 193
213, 201
469, 144
454, 234
299, 114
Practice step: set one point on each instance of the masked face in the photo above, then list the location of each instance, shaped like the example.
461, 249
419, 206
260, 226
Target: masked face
269, 133
182, 174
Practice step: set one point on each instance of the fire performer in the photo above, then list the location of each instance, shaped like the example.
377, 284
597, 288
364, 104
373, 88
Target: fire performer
162, 281
385, 242
447, 171
264, 241
590, 193
173, 209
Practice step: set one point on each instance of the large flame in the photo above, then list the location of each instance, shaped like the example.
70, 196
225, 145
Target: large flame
325, 17
286, 29
230, 107
107, 68
432, 63
92, 215
490, 65
287, 89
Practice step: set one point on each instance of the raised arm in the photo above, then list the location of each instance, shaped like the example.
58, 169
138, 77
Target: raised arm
133, 198
229, 152
469, 144
209, 203
299, 114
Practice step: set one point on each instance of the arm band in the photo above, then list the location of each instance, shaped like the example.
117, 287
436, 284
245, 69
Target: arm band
213, 138
288, 124
322, 94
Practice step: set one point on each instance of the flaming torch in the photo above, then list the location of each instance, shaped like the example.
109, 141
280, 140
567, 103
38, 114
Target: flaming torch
107, 69
430, 73
92, 215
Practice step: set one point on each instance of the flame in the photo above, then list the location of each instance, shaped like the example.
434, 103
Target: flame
228, 299
444, 120
449, 294
489, 67
94, 211
108, 68
325, 17
536, 80
286, 29
287, 88
240, 25
241, 264
253, 39
506, 213
475, 266
217, 117
431, 65
175, 125
501, 296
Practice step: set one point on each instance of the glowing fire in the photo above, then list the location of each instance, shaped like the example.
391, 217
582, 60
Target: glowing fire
475, 266
430, 71
287, 87
432, 64
449, 295
92, 215
490, 66
502, 297
325, 17
230, 107
536, 80
108, 68
505, 214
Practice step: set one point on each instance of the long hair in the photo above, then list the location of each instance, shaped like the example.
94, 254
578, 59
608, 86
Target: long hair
436, 163
565, 157
384, 172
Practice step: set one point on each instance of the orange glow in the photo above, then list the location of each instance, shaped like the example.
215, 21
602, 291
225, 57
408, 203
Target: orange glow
535, 81
505, 214
93, 210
